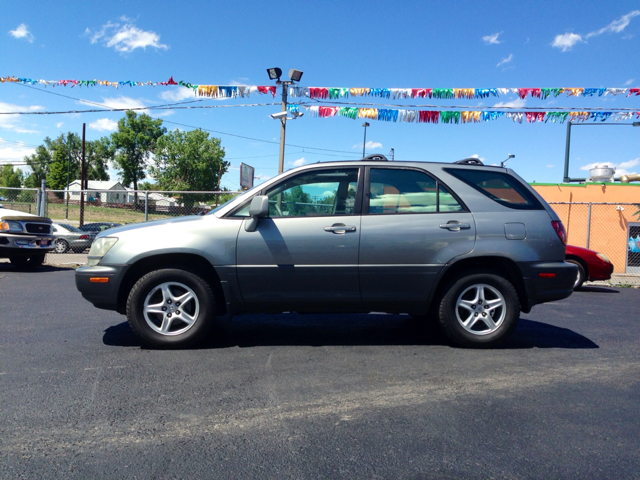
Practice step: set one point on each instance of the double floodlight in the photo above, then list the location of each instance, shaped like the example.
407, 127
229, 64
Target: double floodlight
276, 73
283, 115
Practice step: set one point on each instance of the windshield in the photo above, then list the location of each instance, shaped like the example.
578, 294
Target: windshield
71, 228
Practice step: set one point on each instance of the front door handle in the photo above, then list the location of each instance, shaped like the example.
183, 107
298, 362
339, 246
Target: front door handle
340, 228
454, 226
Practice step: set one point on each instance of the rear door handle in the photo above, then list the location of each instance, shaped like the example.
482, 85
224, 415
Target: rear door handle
455, 226
340, 228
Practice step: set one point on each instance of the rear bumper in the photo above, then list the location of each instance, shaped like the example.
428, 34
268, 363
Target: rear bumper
101, 294
548, 281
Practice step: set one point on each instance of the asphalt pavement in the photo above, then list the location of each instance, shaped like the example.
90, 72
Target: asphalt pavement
316, 396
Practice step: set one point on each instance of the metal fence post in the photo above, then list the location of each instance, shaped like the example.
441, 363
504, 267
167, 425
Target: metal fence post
588, 224
146, 205
43, 200
38, 199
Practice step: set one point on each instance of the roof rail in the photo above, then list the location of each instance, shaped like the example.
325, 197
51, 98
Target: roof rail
470, 161
376, 157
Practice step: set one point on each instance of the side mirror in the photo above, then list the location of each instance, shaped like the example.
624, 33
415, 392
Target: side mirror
259, 208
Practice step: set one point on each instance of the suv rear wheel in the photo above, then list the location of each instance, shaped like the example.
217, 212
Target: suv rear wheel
479, 310
171, 308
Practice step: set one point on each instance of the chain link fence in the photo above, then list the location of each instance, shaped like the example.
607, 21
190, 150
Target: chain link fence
79, 215
609, 228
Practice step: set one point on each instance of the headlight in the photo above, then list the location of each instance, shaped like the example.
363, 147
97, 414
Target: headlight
603, 257
11, 226
99, 249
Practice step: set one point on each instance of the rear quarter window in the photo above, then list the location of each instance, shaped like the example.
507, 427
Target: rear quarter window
499, 187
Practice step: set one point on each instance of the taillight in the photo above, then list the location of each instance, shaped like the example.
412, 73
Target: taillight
558, 226
84, 237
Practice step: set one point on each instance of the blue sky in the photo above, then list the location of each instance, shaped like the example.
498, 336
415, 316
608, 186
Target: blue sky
402, 44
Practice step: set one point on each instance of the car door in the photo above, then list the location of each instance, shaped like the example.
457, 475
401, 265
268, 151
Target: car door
304, 255
411, 226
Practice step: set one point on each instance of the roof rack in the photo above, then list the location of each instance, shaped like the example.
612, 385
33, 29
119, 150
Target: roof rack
470, 161
375, 158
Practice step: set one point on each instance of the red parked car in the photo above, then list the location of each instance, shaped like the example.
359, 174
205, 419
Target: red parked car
591, 265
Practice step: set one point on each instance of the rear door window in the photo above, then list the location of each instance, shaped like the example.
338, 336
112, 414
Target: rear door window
408, 191
498, 186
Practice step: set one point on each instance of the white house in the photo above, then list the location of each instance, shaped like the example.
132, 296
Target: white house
105, 191
154, 198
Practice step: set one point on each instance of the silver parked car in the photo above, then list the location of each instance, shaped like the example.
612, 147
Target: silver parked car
70, 238
468, 244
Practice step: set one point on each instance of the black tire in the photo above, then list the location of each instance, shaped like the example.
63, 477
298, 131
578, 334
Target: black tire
61, 246
470, 323
27, 263
582, 275
181, 331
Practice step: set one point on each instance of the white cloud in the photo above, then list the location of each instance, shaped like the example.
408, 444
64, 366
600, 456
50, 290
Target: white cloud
566, 41
616, 26
475, 155
125, 37
550, 166
104, 125
623, 168
13, 122
492, 39
629, 82
14, 152
370, 145
239, 81
178, 93
299, 162
517, 103
118, 102
505, 60
59, 124
22, 32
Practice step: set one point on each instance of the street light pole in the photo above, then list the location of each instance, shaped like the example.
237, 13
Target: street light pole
364, 144
294, 76
283, 126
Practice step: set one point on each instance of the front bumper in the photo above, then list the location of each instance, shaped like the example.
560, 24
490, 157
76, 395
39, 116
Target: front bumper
24, 245
102, 294
547, 281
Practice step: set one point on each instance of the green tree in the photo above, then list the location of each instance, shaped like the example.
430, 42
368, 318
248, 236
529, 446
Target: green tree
52, 159
133, 144
10, 178
189, 161
148, 186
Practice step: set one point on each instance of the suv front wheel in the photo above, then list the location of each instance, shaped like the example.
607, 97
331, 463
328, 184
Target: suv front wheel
479, 310
171, 308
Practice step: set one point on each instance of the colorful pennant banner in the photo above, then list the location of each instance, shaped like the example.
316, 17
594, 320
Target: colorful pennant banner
439, 116
334, 93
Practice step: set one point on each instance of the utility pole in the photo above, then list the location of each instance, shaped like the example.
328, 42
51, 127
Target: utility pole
66, 215
82, 178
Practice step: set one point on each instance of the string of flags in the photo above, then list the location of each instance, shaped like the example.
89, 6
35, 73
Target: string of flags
440, 116
334, 93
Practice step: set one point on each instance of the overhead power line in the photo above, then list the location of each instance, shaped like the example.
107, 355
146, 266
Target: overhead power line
169, 107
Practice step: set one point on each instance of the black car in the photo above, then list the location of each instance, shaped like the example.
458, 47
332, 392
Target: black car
98, 226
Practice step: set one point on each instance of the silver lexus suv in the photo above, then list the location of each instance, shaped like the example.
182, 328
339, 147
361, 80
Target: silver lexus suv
469, 245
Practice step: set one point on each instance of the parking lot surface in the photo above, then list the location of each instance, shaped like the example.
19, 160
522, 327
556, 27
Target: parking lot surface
313, 396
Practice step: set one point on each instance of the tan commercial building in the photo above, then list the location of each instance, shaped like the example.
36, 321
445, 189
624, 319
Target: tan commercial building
600, 216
